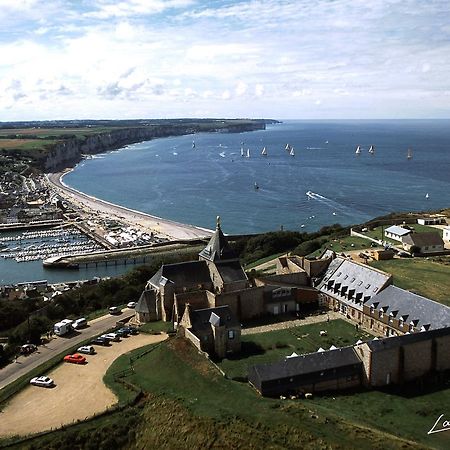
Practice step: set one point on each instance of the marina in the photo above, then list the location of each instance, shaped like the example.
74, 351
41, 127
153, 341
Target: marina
38, 245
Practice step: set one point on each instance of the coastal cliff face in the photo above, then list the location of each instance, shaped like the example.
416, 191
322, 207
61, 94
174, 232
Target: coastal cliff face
68, 152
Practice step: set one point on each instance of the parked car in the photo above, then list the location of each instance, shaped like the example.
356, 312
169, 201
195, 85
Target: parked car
131, 330
403, 254
87, 349
42, 381
100, 341
122, 332
131, 305
26, 349
111, 336
114, 310
79, 323
76, 358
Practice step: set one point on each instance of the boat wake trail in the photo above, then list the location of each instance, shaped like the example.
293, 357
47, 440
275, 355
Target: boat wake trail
335, 206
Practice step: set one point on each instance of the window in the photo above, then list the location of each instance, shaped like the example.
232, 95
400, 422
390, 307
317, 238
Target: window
359, 283
367, 286
375, 289
230, 334
346, 276
380, 314
352, 280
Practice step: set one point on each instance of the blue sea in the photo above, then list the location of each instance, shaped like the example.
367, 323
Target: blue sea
168, 178
171, 179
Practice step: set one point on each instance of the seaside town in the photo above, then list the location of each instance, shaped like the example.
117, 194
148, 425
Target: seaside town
224, 225
215, 304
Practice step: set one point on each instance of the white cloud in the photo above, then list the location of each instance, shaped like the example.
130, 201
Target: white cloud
125, 57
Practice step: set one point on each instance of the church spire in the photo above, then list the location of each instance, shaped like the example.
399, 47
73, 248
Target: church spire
218, 248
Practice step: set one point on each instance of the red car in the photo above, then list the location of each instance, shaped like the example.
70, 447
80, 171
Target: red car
76, 358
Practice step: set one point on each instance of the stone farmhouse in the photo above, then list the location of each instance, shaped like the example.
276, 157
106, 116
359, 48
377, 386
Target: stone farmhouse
426, 243
376, 363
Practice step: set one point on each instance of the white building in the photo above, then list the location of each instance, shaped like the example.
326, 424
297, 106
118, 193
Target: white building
396, 233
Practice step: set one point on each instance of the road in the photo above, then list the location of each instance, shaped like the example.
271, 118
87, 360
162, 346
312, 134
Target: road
57, 345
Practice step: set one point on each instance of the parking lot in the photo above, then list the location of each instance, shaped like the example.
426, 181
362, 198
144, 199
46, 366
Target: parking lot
79, 392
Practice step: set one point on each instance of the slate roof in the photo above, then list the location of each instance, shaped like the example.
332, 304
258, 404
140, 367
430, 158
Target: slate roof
352, 283
202, 319
146, 303
231, 271
218, 248
423, 239
412, 307
306, 364
182, 274
399, 231
398, 341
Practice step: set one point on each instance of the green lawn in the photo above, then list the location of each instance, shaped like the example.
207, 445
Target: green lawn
424, 276
343, 244
271, 346
376, 233
185, 391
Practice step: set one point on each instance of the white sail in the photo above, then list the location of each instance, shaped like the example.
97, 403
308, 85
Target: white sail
193, 144
409, 155
242, 151
427, 196
372, 150
292, 153
288, 147
256, 185
358, 150
248, 153
264, 152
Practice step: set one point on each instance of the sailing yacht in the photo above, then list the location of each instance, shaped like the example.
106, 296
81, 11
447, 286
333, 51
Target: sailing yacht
256, 186
264, 152
372, 150
409, 154
427, 196
292, 153
288, 147
193, 144
242, 151
358, 150
248, 153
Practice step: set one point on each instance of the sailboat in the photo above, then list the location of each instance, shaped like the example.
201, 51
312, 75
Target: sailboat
409, 154
427, 196
358, 150
193, 144
292, 153
264, 152
288, 147
372, 150
256, 186
248, 153
242, 151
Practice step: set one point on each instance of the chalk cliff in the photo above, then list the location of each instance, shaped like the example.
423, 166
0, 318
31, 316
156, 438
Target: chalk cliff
68, 152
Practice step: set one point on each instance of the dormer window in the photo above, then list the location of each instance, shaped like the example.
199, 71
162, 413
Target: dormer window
360, 283
367, 286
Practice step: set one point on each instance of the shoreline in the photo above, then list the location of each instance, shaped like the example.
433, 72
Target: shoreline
92, 205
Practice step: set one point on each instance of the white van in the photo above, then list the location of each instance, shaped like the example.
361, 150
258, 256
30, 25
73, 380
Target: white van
114, 310
79, 323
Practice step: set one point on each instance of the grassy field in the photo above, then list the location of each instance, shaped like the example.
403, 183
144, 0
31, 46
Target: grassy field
24, 144
207, 410
376, 233
427, 277
271, 346
343, 244
43, 133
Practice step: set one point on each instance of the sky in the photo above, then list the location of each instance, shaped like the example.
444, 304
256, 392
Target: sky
281, 59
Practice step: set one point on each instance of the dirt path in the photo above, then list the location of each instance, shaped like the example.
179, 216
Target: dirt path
79, 392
